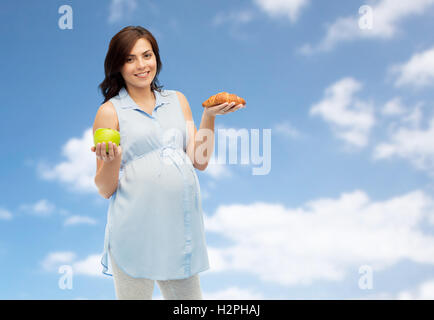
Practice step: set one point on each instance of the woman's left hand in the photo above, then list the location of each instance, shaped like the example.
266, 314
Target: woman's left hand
223, 108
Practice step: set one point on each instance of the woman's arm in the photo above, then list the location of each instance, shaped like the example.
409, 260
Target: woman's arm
199, 152
107, 172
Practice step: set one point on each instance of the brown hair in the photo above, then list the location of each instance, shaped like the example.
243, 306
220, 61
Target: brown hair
119, 48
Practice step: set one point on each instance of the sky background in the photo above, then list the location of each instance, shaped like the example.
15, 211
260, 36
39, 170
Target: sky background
347, 209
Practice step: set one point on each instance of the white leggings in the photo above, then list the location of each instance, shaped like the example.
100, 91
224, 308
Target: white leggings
128, 288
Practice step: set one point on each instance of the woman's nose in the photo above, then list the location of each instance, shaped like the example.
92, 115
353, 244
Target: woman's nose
141, 62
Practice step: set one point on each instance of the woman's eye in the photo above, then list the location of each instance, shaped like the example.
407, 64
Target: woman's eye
130, 59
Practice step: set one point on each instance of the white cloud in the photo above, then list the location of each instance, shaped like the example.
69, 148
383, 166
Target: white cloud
326, 239
286, 130
289, 8
351, 119
343, 29
44, 208
90, 266
387, 15
400, 115
414, 117
417, 72
412, 143
425, 291
41, 208
79, 168
55, 259
121, 9
73, 220
5, 214
217, 171
394, 107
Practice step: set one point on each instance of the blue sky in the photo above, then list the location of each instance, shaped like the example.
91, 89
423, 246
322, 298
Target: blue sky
352, 155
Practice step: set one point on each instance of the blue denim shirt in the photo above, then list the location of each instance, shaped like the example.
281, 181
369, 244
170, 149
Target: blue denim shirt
155, 226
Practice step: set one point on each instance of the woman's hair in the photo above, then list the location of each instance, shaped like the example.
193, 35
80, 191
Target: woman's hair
119, 48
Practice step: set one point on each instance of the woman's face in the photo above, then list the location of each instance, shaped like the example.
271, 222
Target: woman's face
141, 60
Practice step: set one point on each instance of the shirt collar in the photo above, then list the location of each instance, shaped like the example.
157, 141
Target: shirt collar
129, 103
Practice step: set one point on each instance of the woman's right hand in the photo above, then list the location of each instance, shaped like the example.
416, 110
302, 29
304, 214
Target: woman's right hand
115, 151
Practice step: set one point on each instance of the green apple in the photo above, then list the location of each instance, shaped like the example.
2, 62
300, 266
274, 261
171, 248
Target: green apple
105, 135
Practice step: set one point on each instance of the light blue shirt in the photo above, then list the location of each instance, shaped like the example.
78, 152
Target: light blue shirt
155, 226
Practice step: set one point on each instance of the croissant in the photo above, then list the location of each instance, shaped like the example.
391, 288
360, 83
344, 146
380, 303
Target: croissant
223, 97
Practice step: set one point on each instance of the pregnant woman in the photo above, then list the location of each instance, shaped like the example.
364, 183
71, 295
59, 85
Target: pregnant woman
154, 227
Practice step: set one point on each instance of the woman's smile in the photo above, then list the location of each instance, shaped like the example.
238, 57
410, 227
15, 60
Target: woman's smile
142, 75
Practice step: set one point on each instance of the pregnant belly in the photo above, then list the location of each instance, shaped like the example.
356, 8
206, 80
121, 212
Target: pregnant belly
152, 192
153, 174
